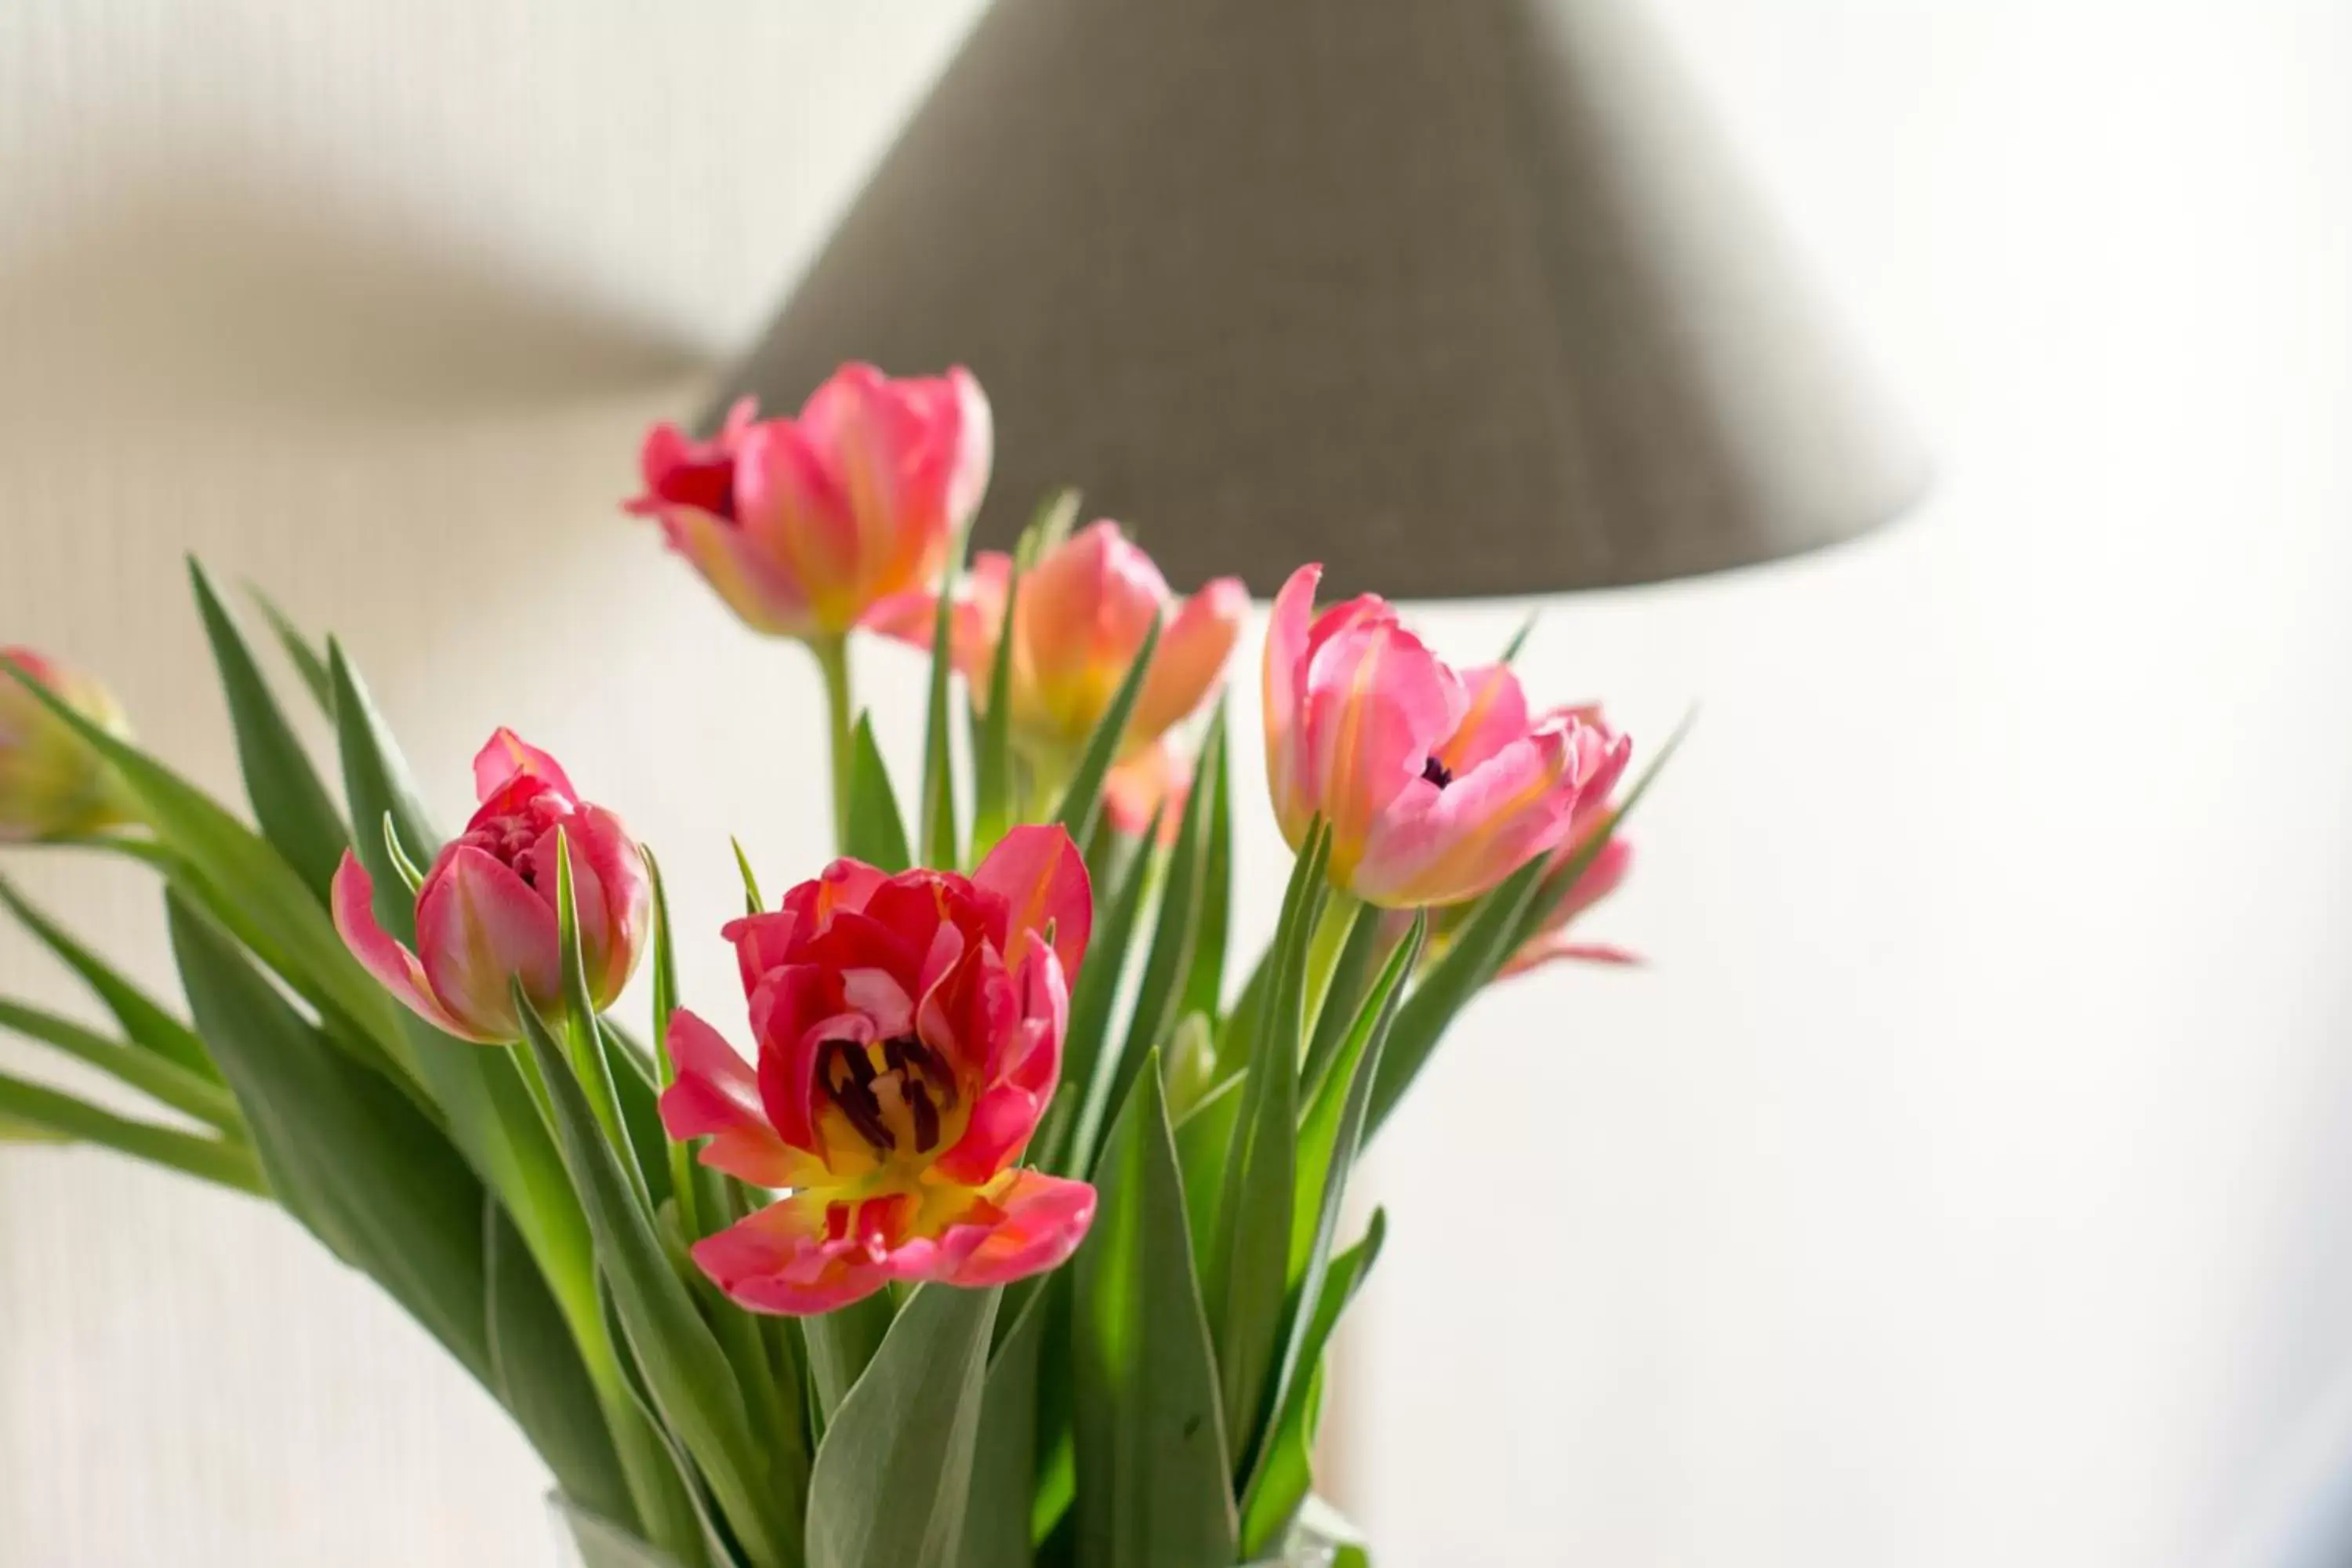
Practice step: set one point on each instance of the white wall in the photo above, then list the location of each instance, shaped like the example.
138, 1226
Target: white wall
1959, 1185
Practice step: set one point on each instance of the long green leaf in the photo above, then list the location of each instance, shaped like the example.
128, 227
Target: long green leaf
1204, 987
686, 1371
1005, 1460
296, 813
1176, 930
941, 836
300, 652
1249, 1255
352, 1159
841, 1344
1153, 1468
991, 735
1082, 801
1083, 1106
66, 1119
144, 1021
1204, 1143
877, 833
582, 1037
536, 1372
165, 1082
682, 1183
691, 1531
243, 880
894, 1474
1287, 1473
1344, 990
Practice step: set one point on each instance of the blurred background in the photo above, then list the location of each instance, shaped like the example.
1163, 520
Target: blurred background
1963, 1180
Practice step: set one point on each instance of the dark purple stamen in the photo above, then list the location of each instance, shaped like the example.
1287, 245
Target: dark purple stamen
1437, 773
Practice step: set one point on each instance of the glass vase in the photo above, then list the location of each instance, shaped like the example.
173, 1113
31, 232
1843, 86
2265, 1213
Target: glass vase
584, 1541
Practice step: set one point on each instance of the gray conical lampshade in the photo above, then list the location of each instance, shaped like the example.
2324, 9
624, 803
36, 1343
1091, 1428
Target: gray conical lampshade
1459, 297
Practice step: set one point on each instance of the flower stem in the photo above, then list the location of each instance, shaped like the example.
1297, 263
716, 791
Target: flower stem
833, 658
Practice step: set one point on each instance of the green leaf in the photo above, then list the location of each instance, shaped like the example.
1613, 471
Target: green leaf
1478, 949
1049, 525
56, 1116
638, 1094
1343, 991
992, 735
296, 813
1204, 1143
690, 1527
300, 652
877, 834
1520, 638
1082, 801
164, 1081
940, 835
535, 1370
894, 1472
1287, 1473
1248, 1259
352, 1159
1153, 1468
582, 1037
686, 1372
1067, 1143
996, 1519
244, 882
1176, 929
752, 902
144, 1021
841, 1344
682, 1182
1205, 987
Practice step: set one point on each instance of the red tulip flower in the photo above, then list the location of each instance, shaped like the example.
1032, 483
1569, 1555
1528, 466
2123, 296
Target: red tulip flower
485, 913
909, 1031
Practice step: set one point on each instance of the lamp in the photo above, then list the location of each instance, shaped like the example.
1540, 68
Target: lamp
1457, 296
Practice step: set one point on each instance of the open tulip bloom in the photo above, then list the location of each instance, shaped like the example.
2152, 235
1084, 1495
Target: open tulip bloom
1013, 1233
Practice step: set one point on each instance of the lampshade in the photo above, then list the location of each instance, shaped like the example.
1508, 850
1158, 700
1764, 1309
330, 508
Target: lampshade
1459, 297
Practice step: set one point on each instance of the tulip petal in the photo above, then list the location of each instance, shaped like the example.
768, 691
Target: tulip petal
755, 587
1379, 703
1191, 656
1496, 715
607, 856
1034, 1222
478, 928
1041, 876
716, 1095
506, 757
1442, 846
796, 1257
1282, 680
395, 967
1150, 782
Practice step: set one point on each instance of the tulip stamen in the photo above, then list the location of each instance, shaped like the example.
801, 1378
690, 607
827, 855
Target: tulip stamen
1436, 773
851, 1089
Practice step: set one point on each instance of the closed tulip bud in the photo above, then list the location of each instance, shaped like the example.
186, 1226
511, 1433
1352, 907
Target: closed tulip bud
486, 911
52, 780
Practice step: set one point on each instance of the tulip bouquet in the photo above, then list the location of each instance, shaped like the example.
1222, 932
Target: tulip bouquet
1015, 1236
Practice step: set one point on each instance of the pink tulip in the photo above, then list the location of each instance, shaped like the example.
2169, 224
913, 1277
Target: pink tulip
1436, 784
803, 525
1083, 612
486, 914
52, 782
1603, 873
910, 1032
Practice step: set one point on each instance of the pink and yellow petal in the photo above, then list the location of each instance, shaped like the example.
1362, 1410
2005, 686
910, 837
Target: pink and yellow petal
395, 967
797, 1257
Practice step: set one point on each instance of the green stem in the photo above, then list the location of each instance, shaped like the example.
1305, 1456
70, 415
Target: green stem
231, 1165
833, 658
